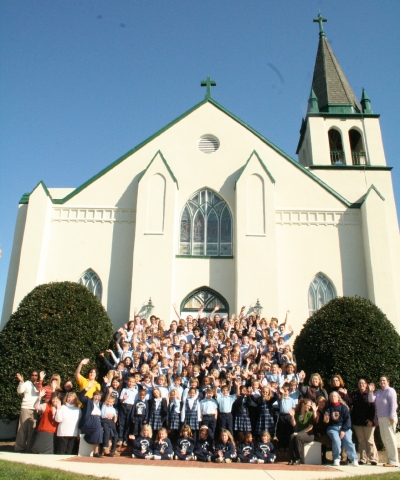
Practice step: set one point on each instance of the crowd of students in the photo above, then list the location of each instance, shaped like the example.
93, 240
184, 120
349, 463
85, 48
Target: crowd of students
209, 388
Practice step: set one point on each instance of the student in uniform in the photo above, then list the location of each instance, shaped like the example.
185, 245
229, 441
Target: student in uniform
185, 444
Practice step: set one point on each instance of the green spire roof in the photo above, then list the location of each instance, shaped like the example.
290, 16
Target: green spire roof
329, 83
365, 102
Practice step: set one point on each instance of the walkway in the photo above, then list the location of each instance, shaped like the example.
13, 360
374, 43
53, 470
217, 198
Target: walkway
124, 468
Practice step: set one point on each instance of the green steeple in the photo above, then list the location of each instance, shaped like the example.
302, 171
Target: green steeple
329, 83
365, 102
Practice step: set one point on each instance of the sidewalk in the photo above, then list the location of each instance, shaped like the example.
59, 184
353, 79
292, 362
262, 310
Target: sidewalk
125, 468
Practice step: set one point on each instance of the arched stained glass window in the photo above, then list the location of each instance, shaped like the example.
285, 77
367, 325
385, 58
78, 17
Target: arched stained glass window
321, 291
92, 282
206, 226
207, 297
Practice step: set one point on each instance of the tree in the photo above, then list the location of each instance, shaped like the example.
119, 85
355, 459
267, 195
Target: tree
55, 327
352, 337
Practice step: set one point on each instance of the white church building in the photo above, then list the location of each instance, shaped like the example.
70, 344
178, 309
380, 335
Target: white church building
207, 210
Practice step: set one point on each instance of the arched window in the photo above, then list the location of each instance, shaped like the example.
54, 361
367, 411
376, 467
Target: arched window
358, 156
206, 226
92, 282
321, 291
207, 297
336, 146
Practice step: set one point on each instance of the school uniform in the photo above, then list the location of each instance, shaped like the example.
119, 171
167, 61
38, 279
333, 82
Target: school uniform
208, 409
190, 414
124, 410
158, 413
245, 452
265, 419
204, 449
139, 415
142, 447
284, 426
225, 419
241, 414
265, 451
163, 449
173, 414
109, 426
186, 445
228, 450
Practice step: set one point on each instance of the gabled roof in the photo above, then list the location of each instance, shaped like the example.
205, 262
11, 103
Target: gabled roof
372, 187
25, 197
330, 84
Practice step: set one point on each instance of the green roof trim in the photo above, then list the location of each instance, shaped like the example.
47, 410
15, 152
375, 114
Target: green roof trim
165, 163
350, 167
25, 197
372, 187
171, 124
254, 153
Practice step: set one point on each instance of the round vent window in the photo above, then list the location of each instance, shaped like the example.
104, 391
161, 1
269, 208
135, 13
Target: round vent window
208, 144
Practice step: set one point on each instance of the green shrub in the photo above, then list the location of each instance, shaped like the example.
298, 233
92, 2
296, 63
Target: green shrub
55, 327
352, 337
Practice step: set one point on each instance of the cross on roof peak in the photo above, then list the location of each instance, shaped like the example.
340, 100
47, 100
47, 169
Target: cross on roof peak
320, 20
208, 83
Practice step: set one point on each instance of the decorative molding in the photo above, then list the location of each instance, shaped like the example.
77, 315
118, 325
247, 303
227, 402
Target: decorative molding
94, 214
316, 217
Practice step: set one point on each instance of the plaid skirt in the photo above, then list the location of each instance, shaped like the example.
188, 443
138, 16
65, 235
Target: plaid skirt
242, 423
173, 421
191, 419
156, 421
265, 422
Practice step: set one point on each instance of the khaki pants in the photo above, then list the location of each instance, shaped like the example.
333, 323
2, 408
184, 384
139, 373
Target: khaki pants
388, 435
366, 443
26, 430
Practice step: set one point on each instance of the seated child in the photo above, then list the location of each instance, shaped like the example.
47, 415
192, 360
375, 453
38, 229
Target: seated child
162, 447
246, 450
185, 444
204, 448
225, 449
265, 451
143, 445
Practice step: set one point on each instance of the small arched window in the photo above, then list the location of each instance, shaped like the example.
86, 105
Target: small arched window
92, 282
336, 147
358, 156
207, 297
320, 292
206, 226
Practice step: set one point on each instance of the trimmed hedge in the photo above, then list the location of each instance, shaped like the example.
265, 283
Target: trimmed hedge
55, 327
352, 337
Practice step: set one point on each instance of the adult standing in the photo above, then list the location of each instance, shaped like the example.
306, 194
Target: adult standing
28, 417
362, 418
386, 411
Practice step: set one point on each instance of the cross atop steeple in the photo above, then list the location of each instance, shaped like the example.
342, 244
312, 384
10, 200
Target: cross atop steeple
208, 83
320, 20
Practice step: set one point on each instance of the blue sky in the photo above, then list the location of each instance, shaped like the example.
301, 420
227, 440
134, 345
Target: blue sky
82, 82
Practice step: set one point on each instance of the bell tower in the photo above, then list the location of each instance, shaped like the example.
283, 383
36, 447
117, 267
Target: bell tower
338, 129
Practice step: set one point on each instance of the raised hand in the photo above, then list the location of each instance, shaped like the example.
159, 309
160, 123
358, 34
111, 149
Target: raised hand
42, 375
85, 361
371, 387
20, 378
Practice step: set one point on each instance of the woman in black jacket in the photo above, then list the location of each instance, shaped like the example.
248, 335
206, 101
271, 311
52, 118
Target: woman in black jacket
362, 417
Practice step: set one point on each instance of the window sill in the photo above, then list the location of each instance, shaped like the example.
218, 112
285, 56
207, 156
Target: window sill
205, 256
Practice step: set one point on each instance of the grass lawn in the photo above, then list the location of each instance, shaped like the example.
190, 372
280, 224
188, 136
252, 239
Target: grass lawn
382, 476
13, 470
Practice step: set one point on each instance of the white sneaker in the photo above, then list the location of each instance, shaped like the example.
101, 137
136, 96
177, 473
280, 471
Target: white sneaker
156, 457
228, 460
355, 463
219, 460
336, 463
209, 458
149, 456
252, 460
133, 456
272, 460
260, 460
